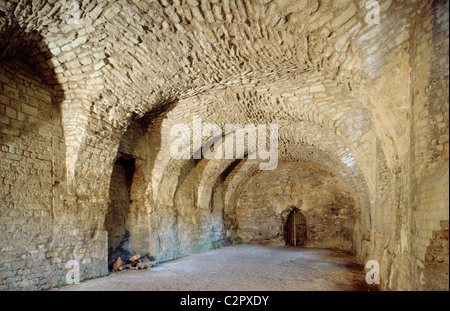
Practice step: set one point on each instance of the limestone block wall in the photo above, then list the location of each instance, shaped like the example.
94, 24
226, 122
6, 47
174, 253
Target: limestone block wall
428, 240
324, 199
377, 227
170, 224
430, 232
31, 147
407, 221
39, 230
368, 102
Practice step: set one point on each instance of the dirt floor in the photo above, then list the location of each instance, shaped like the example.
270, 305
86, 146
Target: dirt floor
242, 268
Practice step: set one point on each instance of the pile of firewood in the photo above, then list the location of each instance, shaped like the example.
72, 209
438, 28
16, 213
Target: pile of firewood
134, 263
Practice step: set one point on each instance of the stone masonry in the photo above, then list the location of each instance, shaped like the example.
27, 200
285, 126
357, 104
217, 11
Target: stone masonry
90, 90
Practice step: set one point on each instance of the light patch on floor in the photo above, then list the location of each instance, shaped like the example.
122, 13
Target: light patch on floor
242, 268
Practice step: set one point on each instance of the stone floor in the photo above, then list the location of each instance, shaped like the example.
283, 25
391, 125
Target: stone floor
242, 268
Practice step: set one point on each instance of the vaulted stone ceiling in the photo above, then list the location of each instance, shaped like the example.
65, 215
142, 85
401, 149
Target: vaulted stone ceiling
300, 64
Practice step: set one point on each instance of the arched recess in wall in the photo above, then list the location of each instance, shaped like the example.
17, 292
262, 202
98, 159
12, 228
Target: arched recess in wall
117, 221
193, 229
126, 219
32, 158
164, 225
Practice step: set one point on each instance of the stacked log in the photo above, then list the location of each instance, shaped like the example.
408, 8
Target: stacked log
135, 263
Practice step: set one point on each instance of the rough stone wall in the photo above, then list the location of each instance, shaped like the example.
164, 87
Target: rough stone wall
170, 224
368, 102
264, 205
430, 111
429, 233
40, 231
377, 227
31, 149
407, 219
429, 203
401, 220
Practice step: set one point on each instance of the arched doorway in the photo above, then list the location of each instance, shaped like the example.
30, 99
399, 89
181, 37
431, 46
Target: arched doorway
296, 230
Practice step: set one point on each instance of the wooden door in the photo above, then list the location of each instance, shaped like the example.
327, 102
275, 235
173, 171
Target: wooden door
296, 231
